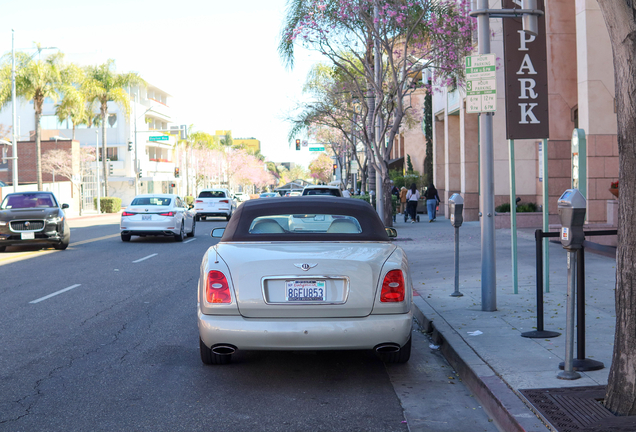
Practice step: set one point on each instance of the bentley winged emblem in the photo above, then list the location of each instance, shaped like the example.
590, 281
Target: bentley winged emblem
305, 266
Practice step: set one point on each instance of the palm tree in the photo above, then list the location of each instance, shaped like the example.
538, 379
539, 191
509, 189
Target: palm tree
34, 80
103, 85
74, 106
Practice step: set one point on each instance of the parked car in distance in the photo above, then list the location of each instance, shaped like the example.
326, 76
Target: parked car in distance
28, 218
157, 215
293, 193
322, 190
242, 197
269, 195
304, 273
214, 203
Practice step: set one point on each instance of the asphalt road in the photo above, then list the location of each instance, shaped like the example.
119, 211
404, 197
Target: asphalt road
103, 337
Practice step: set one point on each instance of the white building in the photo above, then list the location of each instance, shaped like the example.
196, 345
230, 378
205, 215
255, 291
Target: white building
140, 130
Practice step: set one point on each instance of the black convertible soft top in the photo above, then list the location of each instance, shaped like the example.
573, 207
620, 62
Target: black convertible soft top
238, 227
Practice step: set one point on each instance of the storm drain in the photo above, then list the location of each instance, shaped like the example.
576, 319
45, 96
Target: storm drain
577, 409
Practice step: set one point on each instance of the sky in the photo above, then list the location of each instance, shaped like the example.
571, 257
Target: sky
217, 58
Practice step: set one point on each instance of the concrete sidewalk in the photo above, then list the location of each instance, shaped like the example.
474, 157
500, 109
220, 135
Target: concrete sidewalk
486, 348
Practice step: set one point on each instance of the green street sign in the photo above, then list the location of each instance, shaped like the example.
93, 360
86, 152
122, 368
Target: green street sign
159, 138
316, 149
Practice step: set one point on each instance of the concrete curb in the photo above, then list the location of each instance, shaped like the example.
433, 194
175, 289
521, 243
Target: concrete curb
502, 404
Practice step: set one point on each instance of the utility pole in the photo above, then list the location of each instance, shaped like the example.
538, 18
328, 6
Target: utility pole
14, 115
480, 9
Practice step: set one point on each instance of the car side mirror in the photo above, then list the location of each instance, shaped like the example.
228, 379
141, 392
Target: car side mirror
391, 232
217, 232
65, 206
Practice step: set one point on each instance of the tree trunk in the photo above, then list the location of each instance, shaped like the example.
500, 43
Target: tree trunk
620, 18
104, 113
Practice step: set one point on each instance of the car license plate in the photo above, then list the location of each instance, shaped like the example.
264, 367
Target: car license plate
146, 217
27, 236
304, 290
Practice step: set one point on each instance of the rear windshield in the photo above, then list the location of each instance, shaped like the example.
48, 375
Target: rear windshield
151, 201
305, 223
325, 191
28, 200
212, 194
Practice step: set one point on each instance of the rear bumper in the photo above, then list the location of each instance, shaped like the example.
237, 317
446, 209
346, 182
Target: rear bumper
150, 232
305, 334
215, 213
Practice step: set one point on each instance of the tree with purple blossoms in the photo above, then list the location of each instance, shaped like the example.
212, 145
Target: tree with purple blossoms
381, 46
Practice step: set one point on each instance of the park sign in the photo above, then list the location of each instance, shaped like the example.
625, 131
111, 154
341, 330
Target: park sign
526, 67
481, 83
159, 138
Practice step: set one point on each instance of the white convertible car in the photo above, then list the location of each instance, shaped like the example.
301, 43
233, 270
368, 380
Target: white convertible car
304, 273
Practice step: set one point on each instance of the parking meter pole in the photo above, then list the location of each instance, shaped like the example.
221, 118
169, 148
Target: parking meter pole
456, 293
580, 362
455, 209
539, 333
572, 207
568, 369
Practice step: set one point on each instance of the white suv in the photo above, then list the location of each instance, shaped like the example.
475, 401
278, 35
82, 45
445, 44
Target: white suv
322, 190
214, 202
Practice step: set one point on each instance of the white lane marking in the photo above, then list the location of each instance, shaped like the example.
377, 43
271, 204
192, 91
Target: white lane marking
54, 294
145, 258
191, 240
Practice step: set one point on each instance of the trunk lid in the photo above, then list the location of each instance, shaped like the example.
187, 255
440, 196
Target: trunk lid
305, 280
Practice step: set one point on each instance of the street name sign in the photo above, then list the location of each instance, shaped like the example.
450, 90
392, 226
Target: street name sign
316, 149
159, 138
481, 83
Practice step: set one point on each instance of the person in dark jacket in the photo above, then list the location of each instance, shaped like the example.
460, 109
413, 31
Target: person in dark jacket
432, 199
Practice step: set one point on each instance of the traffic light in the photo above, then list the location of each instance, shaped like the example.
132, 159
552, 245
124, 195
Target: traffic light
130, 146
110, 169
335, 167
176, 172
139, 173
297, 144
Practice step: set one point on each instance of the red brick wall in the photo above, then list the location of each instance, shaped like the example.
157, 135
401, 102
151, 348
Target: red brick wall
27, 159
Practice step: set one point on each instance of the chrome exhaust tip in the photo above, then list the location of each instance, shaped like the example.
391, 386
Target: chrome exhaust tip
223, 350
387, 348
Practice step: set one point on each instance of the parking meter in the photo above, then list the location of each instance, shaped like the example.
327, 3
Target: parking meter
456, 207
572, 207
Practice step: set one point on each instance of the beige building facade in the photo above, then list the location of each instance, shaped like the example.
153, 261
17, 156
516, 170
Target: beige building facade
581, 95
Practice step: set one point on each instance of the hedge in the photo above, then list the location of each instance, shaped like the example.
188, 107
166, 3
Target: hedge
108, 204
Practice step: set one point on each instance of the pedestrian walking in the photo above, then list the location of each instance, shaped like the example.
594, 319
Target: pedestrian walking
412, 195
432, 199
403, 200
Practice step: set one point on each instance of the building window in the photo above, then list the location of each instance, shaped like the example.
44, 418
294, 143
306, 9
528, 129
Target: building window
111, 153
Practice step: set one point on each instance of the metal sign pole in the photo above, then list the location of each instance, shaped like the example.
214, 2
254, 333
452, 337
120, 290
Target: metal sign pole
456, 293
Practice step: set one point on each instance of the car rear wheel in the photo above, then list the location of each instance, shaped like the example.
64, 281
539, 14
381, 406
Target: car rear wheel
401, 356
209, 358
179, 237
3, 248
228, 217
197, 218
194, 225
125, 237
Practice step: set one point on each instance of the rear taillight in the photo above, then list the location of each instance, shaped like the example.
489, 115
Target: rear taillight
198, 201
167, 214
128, 214
224, 201
217, 289
393, 287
